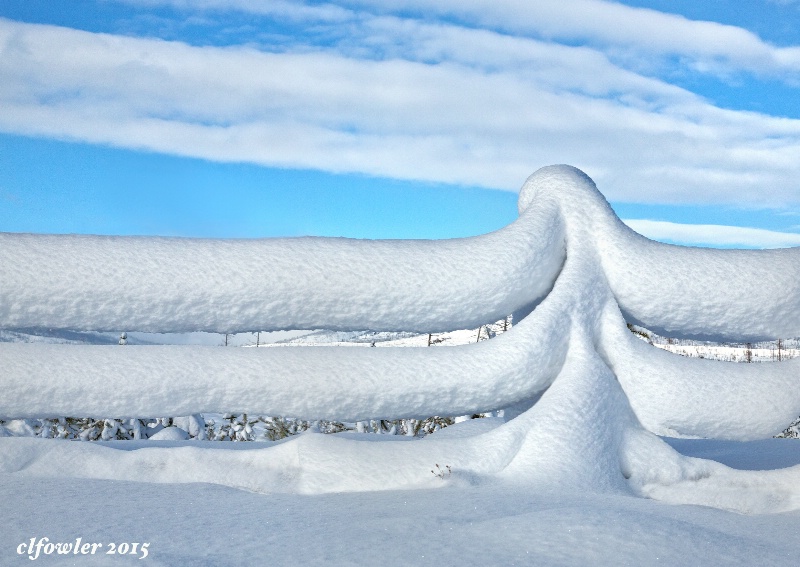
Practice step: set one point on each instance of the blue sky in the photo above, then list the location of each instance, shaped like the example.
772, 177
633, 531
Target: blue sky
388, 119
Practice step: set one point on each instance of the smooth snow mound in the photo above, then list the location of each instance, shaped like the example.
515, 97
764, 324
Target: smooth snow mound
170, 433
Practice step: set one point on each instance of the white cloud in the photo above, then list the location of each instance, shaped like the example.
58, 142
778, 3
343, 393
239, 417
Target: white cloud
713, 234
710, 47
713, 47
446, 104
293, 10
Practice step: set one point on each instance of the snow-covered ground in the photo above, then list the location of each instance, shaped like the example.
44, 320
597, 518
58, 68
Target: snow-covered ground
609, 450
450, 523
197, 520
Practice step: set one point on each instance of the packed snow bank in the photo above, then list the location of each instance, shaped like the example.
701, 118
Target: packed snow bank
677, 395
344, 384
586, 394
178, 285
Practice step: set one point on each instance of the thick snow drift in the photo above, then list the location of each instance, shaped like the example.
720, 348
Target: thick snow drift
588, 395
177, 284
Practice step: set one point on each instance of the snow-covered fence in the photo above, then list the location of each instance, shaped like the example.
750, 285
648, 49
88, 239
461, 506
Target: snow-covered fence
587, 394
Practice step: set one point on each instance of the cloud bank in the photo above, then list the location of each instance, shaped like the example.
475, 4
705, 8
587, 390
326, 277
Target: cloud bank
713, 235
482, 96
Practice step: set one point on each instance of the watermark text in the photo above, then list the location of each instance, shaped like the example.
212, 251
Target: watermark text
39, 546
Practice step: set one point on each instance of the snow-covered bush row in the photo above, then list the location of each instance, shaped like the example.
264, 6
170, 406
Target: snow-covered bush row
90, 429
225, 427
583, 397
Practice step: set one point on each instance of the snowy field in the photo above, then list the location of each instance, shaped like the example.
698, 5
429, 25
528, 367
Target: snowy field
449, 523
601, 446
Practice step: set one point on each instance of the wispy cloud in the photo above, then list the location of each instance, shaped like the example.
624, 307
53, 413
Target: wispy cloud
295, 10
710, 47
400, 97
713, 234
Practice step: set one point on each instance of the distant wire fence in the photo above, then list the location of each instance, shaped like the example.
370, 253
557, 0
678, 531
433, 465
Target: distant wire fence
762, 351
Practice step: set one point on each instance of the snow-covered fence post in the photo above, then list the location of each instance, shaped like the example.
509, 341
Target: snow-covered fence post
583, 397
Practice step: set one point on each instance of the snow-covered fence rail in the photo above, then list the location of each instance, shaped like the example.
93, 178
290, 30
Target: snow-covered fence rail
588, 394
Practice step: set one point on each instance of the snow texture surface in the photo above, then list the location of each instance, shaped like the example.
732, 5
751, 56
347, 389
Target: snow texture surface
584, 398
204, 525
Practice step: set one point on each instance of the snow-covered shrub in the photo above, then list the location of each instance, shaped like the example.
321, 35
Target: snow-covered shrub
791, 432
